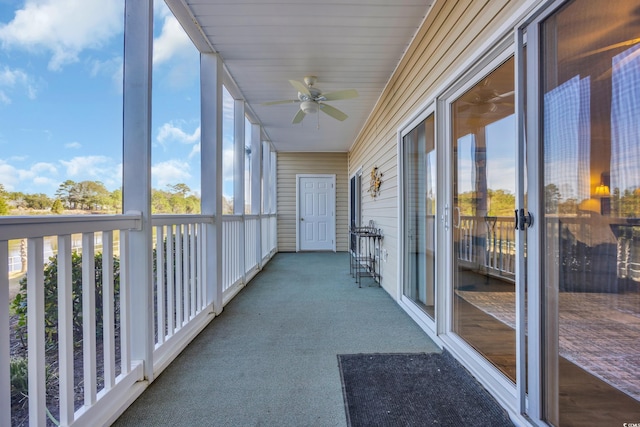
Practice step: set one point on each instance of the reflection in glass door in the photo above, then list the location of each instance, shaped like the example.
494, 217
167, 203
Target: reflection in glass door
484, 184
419, 172
590, 97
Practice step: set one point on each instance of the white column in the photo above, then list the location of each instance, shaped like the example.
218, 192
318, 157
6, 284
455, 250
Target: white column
256, 168
273, 182
211, 171
238, 158
238, 178
266, 177
138, 42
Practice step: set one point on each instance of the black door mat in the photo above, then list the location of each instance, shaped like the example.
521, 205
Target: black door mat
417, 389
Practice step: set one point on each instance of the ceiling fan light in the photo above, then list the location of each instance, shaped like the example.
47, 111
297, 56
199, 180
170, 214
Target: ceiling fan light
309, 107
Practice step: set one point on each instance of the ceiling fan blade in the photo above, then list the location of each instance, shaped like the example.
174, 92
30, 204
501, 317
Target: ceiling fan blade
298, 117
333, 112
501, 96
340, 94
300, 87
284, 101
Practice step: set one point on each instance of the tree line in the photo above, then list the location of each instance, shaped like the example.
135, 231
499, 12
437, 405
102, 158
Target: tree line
93, 196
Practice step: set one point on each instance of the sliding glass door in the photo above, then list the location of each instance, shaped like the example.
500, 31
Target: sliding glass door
589, 256
419, 178
483, 159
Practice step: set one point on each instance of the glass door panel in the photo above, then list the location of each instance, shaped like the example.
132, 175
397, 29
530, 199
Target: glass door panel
419, 169
484, 185
590, 97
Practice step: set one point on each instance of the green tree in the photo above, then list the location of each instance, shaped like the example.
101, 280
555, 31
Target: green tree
19, 304
115, 200
4, 207
91, 195
181, 188
160, 201
66, 192
502, 203
37, 201
57, 207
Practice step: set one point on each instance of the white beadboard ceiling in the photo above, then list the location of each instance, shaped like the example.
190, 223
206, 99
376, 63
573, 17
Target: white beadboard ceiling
350, 44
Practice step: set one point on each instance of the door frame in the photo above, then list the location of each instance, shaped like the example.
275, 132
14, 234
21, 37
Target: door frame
332, 200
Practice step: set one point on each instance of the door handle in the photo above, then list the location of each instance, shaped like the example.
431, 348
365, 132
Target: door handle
524, 219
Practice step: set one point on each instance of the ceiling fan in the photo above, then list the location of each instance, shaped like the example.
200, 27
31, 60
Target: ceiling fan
312, 99
485, 98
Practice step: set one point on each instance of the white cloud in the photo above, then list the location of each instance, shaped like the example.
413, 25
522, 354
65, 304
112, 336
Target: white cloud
112, 68
63, 28
15, 79
171, 132
73, 145
89, 167
195, 151
171, 42
40, 174
42, 167
170, 172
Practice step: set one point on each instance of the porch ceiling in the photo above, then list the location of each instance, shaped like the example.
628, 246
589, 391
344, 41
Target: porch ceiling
346, 44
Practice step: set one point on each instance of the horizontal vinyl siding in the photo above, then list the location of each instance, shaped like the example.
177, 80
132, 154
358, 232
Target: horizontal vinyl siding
291, 164
450, 35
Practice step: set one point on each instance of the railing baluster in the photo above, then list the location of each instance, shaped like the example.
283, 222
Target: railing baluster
125, 302
89, 318
170, 257
199, 268
184, 260
160, 296
65, 329
192, 268
178, 267
5, 380
203, 269
108, 310
35, 332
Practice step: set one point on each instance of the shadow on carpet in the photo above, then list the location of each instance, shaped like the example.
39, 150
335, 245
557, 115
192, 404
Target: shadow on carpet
414, 390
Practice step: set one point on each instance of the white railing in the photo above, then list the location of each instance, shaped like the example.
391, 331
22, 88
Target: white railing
106, 365
232, 252
252, 253
488, 242
92, 344
248, 243
179, 285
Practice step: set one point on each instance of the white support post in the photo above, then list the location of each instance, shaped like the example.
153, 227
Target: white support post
256, 196
272, 182
238, 179
211, 173
138, 42
266, 178
238, 158
256, 155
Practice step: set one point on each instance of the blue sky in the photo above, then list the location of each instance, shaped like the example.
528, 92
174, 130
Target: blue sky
61, 97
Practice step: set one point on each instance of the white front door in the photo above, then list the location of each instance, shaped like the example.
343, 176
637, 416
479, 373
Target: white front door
316, 212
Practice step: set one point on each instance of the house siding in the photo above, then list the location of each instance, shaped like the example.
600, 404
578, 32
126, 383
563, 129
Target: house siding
450, 36
291, 164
